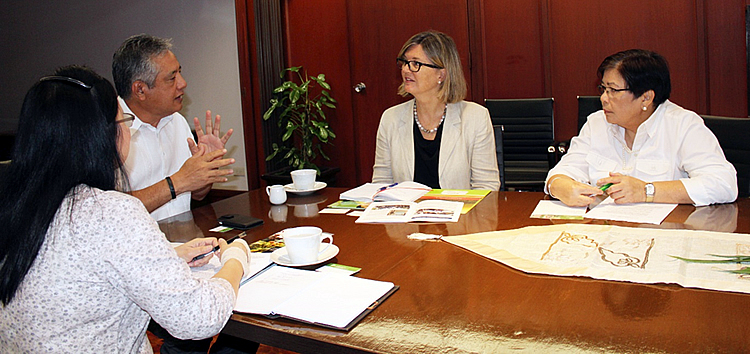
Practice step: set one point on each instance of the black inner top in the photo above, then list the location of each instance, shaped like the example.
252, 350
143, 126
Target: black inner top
426, 157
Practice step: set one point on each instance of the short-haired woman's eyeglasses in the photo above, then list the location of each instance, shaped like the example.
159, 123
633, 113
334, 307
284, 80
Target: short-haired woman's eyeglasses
127, 118
609, 90
414, 65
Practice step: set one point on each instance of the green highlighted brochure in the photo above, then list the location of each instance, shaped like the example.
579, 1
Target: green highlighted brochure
470, 197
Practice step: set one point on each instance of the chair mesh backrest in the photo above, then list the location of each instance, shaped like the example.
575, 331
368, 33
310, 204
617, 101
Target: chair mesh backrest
528, 127
586, 106
732, 135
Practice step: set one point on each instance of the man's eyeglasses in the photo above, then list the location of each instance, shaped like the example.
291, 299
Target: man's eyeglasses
609, 90
127, 118
67, 79
414, 65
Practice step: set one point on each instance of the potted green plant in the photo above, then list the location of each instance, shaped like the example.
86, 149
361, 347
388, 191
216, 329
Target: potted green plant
301, 106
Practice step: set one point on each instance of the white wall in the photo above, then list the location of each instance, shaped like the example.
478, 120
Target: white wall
38, 36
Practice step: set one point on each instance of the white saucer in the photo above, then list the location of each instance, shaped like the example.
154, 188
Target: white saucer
281, 257
289, 188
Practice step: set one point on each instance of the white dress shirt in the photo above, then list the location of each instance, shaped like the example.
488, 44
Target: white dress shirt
158, 152
672, 144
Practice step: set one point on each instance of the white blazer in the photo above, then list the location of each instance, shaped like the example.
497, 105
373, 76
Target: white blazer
467, 148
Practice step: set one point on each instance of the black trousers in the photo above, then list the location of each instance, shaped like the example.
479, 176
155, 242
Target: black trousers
225, 344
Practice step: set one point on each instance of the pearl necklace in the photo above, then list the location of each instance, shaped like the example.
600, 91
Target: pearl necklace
430, 131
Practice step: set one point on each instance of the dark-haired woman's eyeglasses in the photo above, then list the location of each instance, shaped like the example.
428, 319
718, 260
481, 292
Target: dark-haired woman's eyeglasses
127, 118
609, 90
66, 79
414, 65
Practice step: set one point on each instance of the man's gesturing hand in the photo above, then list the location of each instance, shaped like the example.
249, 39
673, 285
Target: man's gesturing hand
211, 137
201, 170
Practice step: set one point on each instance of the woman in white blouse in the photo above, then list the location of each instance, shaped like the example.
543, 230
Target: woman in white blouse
641, 147
83, 267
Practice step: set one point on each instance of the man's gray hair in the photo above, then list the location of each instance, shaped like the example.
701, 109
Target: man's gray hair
134, 61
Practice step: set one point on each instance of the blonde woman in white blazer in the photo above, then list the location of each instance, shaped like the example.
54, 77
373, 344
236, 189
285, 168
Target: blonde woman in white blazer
436, 138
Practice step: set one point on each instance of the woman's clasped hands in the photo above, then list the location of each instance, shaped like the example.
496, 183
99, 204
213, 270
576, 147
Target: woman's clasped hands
622, 188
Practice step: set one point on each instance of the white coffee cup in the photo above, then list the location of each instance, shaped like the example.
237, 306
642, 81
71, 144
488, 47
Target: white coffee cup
276, 194
278, 213
304, 179
303, 243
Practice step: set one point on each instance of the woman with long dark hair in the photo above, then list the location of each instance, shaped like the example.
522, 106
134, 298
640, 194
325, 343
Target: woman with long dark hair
82, 266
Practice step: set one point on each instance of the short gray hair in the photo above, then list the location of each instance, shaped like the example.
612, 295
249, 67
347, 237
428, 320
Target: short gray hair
134, 61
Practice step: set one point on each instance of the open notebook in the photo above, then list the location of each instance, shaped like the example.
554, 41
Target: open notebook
383, 192
330, 300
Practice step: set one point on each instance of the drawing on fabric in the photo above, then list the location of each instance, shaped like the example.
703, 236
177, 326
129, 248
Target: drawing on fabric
743, 249
626, 252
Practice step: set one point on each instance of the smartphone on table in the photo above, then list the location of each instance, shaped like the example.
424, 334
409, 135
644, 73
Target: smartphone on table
239, 221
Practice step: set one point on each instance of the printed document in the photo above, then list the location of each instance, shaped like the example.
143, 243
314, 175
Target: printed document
647, 213
555, 209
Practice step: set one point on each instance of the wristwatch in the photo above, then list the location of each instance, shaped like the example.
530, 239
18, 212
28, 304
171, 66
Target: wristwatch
650, 192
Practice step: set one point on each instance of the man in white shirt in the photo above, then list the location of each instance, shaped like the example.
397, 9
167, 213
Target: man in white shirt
165, 167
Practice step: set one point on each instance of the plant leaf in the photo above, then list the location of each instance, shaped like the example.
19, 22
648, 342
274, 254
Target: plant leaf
727, 259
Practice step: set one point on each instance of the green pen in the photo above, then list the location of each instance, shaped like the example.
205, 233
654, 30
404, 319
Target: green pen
604, 187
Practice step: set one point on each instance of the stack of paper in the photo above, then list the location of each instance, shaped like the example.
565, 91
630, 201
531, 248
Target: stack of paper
383, 192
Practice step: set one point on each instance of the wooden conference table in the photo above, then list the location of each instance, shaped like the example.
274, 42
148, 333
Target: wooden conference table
452, 300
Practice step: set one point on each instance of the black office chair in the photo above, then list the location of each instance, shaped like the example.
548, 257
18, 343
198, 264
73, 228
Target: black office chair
498, 129
586, 106
528, 140
732, 135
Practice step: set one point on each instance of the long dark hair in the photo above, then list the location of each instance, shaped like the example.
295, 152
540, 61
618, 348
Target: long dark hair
67, 136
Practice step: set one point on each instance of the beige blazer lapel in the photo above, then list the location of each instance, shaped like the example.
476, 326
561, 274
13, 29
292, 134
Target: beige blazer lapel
451, 137
406, 138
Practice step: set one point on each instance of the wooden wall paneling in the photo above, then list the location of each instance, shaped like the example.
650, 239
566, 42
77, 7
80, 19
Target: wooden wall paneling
510, 49
701, 59
726, 58
377, 30
584, 32
245, 19
477, 53
317, 39
514, 48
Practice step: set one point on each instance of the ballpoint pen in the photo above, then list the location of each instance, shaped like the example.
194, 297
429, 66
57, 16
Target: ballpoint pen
241, 235
386, 187
603, 188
